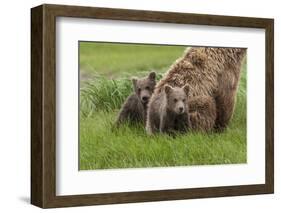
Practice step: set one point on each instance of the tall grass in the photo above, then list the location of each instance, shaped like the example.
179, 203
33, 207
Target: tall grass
102, 94
103, 147
105, 94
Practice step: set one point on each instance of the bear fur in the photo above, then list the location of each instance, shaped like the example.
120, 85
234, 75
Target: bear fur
134, 109
168, 111
202, 113
210, 72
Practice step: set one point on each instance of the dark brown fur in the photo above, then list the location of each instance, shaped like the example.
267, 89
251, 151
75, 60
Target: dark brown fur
212, 72
168, 111
202, 112
134, 109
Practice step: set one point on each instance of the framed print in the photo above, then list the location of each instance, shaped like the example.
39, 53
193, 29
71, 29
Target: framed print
136, 106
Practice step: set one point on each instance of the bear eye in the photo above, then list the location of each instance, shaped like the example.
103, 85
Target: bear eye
183, 100
147, 88
175, 100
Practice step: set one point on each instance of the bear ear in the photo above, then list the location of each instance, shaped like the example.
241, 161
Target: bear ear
135, 81
168, 89
152, 76
186, 89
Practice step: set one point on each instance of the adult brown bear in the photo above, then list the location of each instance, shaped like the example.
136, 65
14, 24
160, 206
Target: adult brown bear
213, 74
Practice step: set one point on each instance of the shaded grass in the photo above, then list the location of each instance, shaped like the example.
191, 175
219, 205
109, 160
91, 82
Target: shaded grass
102, 146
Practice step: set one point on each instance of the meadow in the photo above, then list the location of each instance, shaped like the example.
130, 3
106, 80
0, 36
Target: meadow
105, 73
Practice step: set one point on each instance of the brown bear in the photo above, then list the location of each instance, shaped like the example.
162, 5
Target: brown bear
212, 72
134, 109
168, 111
202, 113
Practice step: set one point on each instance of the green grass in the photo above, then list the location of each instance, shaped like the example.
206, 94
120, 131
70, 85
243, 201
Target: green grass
102, 146
104, 94
111, 60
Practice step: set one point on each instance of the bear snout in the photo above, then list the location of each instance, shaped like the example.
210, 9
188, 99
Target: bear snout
144, 99
180, 109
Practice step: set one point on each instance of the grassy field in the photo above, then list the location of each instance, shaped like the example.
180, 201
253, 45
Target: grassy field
108, 68
115, 60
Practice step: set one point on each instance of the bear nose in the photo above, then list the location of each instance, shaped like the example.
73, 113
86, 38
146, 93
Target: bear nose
145, 98
180, 109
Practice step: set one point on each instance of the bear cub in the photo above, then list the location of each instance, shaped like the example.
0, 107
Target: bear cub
168, 111
134, 109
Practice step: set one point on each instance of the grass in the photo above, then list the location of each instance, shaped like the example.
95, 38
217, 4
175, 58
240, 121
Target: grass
111, 60
104, 94
103, 147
